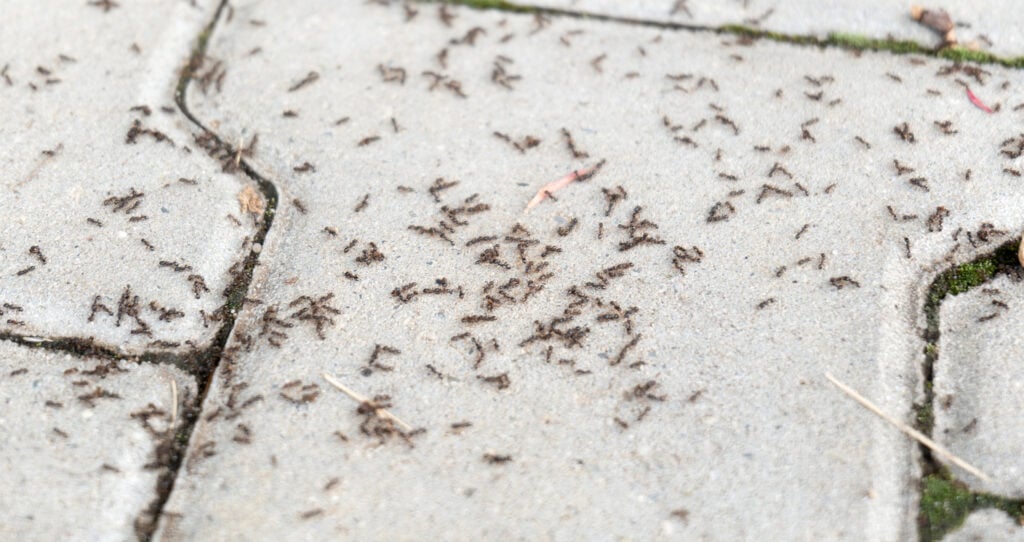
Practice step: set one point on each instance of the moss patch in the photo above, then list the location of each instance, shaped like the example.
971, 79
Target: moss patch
749, 32
493, 4
946, 503
855, 41
971, 274
925, 417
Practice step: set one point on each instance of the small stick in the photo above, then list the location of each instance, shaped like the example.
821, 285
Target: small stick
363, 399
554, 186
238, 152
909, 431
174, 401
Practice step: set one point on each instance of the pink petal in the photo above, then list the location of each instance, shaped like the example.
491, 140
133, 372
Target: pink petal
974, 100
555, 186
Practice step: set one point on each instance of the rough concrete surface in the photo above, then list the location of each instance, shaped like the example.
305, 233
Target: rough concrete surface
987, 526
640, 356
986, 25
770, 215
77, 437
979, 383
117, 226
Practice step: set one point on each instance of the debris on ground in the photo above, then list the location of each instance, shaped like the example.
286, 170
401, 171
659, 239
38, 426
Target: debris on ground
909, 431
977, 101
938, 20
554, 186
250, 201
377, 420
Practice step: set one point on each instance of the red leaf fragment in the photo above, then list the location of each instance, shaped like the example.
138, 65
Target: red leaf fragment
976, 101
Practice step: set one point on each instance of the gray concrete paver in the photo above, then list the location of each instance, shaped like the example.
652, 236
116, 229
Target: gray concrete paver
815, 257
978, 383
77, 436
987, 526
116, 225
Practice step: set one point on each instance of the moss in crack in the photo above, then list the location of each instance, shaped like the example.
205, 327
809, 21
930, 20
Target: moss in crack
964, 277
899, 47
755, 33
844, 40
946, 503
962, 54
501, 5
856, 41
924, 415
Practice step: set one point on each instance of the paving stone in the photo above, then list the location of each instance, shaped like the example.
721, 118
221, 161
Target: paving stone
78, 436
987, 526
116, 223
990, 25
979, 385
787, 244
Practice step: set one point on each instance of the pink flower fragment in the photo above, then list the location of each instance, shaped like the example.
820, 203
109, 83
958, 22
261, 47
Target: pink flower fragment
554, 186
976, 101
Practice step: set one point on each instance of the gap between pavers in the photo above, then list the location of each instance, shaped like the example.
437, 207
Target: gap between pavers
740, 328
989, 25
82, 442
118, 229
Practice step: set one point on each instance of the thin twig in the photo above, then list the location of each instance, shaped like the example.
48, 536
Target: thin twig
909, 431
238, 152
174, 401
363, 400
561, 183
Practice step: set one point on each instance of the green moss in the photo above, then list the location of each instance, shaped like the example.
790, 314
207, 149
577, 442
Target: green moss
961, 279
493, 4
1015, 508
962, 54
946, 502
969, 275
925, 416
864, 43
851, 40
855, 41
747, 31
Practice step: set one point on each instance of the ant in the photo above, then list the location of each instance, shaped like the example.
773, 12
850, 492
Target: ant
308, 79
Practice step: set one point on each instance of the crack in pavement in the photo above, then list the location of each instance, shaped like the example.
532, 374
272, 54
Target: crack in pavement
199, 363
834, 39
235, 293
